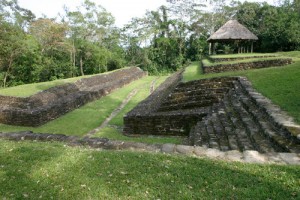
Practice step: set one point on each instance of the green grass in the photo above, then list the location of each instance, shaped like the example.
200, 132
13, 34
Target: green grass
30, 170
31, 89
295, 54
143, 92
80, 121
114, 134
280, 84
86, 118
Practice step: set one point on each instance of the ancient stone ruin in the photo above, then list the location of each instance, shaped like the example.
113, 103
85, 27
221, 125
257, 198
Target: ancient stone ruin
54, 102
222, 113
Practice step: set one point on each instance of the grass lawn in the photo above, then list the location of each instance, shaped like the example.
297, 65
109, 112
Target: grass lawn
53, 171
280, 84
113, 133
31, 89
80, 121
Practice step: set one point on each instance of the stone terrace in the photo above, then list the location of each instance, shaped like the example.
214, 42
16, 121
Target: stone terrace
175, 106
218, 68
220, 113
54, 102
240, 122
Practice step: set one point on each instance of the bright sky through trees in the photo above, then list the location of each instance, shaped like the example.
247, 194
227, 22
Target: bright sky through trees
122, 10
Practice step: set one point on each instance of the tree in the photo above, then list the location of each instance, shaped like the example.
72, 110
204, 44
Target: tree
51, 37
12, 45
90, 24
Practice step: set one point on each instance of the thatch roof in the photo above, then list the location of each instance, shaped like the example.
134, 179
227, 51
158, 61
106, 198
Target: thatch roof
232, 30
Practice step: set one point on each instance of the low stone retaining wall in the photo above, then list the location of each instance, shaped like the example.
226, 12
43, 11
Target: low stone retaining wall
218, 68
54, 102
238, 58
143, 119
246, 120
200, 152
222, 113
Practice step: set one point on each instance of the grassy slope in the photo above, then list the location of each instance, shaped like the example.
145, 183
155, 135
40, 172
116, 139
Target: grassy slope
54, 171
30, 89
82, 120
112, 133
280, 84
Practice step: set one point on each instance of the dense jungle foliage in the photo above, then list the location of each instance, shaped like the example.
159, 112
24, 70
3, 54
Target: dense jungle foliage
87, 41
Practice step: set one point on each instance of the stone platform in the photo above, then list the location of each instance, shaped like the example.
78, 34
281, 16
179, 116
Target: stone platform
54, 102
224, 113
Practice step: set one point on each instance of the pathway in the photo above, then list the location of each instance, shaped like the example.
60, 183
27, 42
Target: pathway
119, 108
248, 156
113, 114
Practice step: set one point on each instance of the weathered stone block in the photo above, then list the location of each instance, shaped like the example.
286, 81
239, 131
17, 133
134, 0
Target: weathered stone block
184, 149
168, 148
290, 158
254, 157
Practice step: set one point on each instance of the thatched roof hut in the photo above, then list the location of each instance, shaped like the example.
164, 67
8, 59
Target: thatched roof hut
232, 31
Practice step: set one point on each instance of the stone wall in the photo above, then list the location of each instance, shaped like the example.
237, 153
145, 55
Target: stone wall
223, 113
175, 107
143, 119
218, 68
195, 151
237, 58
54, 102
245, 120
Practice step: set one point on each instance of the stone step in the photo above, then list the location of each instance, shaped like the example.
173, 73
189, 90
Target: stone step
242, 139
225, 80
191, 138
234, 122
270, 111
228, 130
199, 130
279, 139
187, 99
213, 140
188, 105
210, 85
220, 132
201, 91
259, 141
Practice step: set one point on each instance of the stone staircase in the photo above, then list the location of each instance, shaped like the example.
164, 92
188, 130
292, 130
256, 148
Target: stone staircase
223, 113
196, 94
239, 123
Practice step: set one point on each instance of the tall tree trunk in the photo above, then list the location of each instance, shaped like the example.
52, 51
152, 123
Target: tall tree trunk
81, 66
74, 59
8, 69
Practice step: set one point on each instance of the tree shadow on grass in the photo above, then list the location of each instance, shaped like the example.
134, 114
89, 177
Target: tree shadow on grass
167, 177
18, 161
34, 170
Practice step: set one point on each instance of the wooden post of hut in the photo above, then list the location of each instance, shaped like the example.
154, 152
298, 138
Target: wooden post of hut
232, 31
